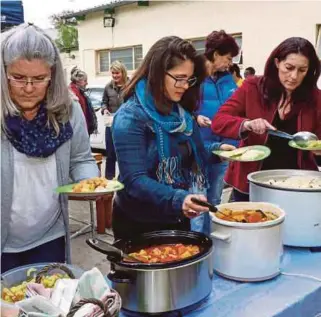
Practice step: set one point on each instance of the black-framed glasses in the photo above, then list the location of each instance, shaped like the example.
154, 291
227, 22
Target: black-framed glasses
181, 82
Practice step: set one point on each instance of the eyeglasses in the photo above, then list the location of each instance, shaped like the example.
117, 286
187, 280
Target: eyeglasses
181, 82
29, 80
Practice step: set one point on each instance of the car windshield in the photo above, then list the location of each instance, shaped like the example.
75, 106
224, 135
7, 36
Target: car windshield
96, 96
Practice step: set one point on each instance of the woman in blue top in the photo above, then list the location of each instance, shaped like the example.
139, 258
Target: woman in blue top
158, 144
220, 48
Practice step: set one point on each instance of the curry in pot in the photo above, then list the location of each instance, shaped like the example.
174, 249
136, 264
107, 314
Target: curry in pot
246, 216
166, 253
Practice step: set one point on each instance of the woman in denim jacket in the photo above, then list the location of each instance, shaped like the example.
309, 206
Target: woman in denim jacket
158, 145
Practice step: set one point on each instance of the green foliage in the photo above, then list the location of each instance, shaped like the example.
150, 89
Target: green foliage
67, 39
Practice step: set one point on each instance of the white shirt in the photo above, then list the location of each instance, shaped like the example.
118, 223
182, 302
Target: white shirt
35, 216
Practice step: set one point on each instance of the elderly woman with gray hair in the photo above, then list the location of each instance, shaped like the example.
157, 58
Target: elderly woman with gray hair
77, 88
43, 144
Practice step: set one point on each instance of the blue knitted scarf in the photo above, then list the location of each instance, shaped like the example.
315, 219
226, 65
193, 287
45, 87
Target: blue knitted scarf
180, 123
36, 138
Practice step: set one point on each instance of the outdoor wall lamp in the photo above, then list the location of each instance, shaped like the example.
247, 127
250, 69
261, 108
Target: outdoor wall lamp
109, 22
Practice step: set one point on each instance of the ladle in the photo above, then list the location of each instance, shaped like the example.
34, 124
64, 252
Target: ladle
300, 138
110, 250
211, 207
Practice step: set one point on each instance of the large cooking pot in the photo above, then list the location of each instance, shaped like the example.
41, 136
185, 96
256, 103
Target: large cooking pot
302, 227
159, 288
247, 252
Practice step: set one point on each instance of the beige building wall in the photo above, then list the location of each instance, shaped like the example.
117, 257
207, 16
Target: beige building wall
69, 61
263, 24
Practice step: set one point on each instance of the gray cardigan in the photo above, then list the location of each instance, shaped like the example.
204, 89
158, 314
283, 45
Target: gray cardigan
74, 160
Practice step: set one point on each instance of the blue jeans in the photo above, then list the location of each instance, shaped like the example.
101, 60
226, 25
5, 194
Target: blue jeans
111, 155
52, 251
216, 174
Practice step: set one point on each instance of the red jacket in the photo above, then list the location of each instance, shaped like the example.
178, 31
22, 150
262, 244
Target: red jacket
81, 99
247, 103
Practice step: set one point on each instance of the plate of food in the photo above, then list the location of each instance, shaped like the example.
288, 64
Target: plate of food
95, 186
245, 154
313, 145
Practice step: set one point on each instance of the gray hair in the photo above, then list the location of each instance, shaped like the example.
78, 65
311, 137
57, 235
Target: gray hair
76, 74
29, 42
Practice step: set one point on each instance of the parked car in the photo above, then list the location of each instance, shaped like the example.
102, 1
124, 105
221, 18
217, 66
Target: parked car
95, 93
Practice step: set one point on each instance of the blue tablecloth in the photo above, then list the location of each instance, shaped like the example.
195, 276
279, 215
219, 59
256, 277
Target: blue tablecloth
284, 296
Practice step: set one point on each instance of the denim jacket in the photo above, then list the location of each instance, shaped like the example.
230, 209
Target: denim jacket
144, 198
214, 94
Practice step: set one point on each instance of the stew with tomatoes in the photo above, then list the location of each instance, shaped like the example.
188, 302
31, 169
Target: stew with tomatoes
246, 216
166, 253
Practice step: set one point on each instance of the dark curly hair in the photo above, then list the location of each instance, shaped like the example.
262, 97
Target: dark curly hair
222, 43
272, 88
235, 68
165, 54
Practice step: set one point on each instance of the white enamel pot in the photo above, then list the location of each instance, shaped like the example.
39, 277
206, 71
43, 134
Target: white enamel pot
302, 227
248, 251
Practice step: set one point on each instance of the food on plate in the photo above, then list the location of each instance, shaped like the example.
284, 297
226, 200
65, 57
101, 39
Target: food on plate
165, 253
96, 184
243, 154
251, 155
234, 153
245, 216
313, 143
18, 292
297, 182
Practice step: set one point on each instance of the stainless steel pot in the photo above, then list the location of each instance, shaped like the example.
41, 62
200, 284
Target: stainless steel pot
159, 288
302, 226
247, 251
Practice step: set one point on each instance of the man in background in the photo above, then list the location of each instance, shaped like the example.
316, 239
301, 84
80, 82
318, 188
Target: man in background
249, 71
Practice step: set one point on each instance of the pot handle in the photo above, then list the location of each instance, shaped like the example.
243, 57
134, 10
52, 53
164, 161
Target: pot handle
119, 277
226, 237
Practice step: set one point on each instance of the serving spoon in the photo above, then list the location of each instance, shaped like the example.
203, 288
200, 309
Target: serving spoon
214, 209
300, 138
211, 207
110, 250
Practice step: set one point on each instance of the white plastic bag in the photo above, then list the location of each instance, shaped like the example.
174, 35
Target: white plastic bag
108, 119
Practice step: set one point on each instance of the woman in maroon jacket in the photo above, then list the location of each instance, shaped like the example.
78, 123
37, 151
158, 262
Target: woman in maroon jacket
77, 89
284, 98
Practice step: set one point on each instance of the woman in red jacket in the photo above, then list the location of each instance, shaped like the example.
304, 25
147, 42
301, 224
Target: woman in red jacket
284, 98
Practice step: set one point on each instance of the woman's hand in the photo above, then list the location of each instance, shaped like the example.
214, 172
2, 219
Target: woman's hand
318, 153
258, 126
203, 122
227, 147
192, 210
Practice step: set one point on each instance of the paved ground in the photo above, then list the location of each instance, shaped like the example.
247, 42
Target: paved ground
82, 255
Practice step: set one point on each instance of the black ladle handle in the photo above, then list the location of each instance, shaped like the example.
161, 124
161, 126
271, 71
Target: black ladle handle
202, 203
211, 207
105, 248
111, 251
